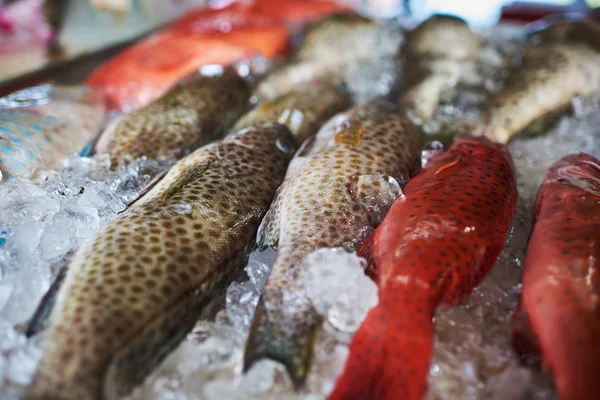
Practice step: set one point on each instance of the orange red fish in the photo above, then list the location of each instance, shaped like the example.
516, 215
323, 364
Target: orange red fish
559, 314
434, 246
146, 70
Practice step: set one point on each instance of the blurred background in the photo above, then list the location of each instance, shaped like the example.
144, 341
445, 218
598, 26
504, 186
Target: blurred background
36, 35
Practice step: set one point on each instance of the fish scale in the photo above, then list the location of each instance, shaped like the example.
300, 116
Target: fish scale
336, 191
183, 119
135, 288
41, 126
434, 246
558, 317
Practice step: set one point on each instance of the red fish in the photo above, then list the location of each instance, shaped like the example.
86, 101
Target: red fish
434, 246
559, 313
146, 70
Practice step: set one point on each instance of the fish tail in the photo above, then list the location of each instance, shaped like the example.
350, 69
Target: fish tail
283, 335
389, 354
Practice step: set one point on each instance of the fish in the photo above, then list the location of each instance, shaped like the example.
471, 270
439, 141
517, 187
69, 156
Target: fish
41, 126
303, 111
183, 119
335, 192
436, 243
550, 75
146, 70
564, 30
202, 37
435, 55
327, 46
558, 315
135, 288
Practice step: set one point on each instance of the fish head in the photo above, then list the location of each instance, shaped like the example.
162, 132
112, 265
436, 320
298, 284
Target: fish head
268, 137
578, 170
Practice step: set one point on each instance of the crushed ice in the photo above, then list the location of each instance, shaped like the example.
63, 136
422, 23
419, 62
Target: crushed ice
40, 222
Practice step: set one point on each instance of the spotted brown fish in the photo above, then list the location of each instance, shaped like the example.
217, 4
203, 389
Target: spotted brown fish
336, 191
183, 119
303, 110
553, 72
135, 288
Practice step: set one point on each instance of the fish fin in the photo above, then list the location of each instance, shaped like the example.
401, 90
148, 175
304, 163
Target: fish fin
288, 338
41, 316
523, 338
375, 193
146, 188
268, 231
390, 352
184, 179
366, 251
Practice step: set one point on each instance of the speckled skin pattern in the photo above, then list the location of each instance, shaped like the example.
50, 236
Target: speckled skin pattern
303, 110
328, 199
559, 313
135, 288
185, 118
577, 31
42, 126
434, 56
550, 76
434, 246
327, 46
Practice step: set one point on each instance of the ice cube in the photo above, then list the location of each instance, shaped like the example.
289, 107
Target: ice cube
338, 287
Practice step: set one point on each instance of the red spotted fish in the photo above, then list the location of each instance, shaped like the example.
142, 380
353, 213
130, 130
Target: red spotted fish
558, 318
435, 55
134, 289
437, 242
336, 190
41, 126
564, 65
179, 122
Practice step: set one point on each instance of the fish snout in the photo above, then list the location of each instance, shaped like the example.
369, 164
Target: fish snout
580, 170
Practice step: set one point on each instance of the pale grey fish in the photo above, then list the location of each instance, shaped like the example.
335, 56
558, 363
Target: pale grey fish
336, 191
435, 55
135, 288
326, 48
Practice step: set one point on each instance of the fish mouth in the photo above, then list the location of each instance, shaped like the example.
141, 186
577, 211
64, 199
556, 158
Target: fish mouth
580, 170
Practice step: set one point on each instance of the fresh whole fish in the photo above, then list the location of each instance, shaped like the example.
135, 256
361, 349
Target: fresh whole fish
336, 191
326, 48
40, 127
434, 246
185, 118
435, 56
558, 317
145, 71
135, 288
566, 31
303, 110
551, 74
206, 36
